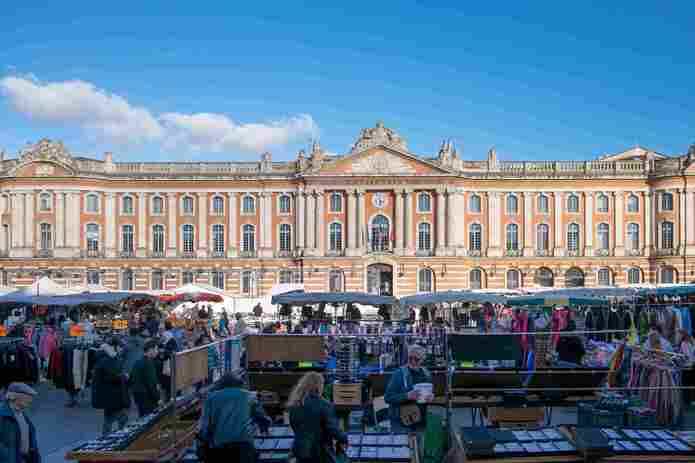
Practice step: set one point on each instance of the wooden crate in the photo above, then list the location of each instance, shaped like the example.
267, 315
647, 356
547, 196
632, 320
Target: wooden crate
347, 394
516, 417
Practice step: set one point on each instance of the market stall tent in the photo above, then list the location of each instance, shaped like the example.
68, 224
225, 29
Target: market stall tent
44, 286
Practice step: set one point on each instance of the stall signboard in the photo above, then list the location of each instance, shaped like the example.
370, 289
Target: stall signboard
76, 331
120, 324
103, 324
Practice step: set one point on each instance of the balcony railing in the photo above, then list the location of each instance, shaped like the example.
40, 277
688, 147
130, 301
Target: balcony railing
44, 253
475, 253
573, 253
601, 252
512, 252
666, 252
127, 254
92, 253
284, 254
335, 252
218, 254
248, 254
157, 254
634, 252
188, 254
424, 253
542, 252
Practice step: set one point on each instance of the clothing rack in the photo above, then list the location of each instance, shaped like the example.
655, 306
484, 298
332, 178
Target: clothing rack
10, 341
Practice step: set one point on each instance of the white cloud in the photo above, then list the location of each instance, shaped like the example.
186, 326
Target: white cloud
113, 118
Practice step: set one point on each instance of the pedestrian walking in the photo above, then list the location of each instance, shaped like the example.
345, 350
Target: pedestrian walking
109, 387
18, 443
143, 381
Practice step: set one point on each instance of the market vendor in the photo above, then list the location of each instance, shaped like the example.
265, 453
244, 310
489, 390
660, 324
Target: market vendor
570, 349
400, 393
17, 432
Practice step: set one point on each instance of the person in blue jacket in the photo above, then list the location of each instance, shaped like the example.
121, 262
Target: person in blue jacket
18, 442
400, 390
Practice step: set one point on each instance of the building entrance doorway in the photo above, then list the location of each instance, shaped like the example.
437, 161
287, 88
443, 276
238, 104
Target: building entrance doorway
380, 279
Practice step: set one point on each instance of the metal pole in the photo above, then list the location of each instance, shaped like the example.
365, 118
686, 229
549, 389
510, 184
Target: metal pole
173, 394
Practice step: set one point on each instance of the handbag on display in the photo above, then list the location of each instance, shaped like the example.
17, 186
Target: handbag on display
410, 414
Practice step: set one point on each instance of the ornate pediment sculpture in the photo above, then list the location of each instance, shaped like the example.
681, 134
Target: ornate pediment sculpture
378, 135
46, 150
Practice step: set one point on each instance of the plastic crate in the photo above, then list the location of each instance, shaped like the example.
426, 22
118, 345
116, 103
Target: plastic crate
589, 417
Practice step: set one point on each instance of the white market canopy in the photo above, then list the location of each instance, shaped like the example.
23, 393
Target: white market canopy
44, 286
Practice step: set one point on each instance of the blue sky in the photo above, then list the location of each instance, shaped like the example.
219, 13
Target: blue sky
227, 80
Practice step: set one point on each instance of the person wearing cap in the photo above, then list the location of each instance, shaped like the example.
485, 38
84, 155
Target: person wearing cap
18, 442
109, 387
143, 380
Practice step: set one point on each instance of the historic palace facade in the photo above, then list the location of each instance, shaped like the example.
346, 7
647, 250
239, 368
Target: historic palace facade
376, 219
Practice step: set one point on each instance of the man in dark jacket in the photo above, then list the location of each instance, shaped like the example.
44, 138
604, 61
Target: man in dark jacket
400, 390
17, 433
109, 387
570, 349
143, 380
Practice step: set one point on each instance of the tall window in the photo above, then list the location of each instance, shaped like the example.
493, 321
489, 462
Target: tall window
425, 278
127, 202
424, 237
288, 276
218, 239
475, 234
127, 241
633, 236
188, 205
247, 282
157, 280
512, 237
512, 205
188, 239
335, 236
45, 202
335, 281
544, 277
158, 239
336, 202
248, 205
285, 204
543, 204
475, 279
474, 205
218, 279
218, 205
424, 202
604, 277
92, 203
285, 237
634, 276
602, 203
573, 203
603, 236
633, 204
573, 237
542, 237
668, 275
46, 237
574, 278
667, 235
380, 233
248, 233
93, 277
157, 205
666, 202
127, 280
92, 237
187, 277
513, 279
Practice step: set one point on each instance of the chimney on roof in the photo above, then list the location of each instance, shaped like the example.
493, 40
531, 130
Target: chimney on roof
492, 159
108, 162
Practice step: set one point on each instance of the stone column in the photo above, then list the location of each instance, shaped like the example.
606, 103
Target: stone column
202, 250
681, 246
351, 228
73, 231
4, 238
173, 209
452, 221
494, 224
528, 223
141, 250
589, 223
649, 223
29, 226
311, 224
60, 220
233, 244
441, 223
619, 223
558, 206
110, 225
17, 234
320, 223
301, 219
361, 222
399, 222
690, 222
408, 231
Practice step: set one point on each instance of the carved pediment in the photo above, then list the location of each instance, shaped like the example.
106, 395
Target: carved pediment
378, 136
46, 150
380, 161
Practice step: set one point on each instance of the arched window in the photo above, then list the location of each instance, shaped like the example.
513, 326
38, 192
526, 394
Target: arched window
285, 237
92, 203
666, 202
218, 205
188, 239
285, 204
513, 279
424, 203
634, 276
157, 280
603, 236
336, 202
543, 204
127, 280
666, 235
633, 204
574, 278
512, 237
573, 203
335, 236
218, 239
218, 279
248, 282
512, 205
542, 237
188, 205
127, 205
248, 235
93, 277
633, 236
668, 275
424, 237
602, 203
475, 236
127, 241
573, 237
544, 277
157, 205
248, 205
380, 233
474, 205
187, 277
335, 281
46, 236
45, 202
475, 279
425, 279
158, 239
92, 238
604, 277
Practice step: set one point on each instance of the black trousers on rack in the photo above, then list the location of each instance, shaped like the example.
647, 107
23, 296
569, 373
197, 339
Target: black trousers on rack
688, 379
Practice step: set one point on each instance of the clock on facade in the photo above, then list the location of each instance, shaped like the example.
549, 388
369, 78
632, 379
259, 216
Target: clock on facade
379, 200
